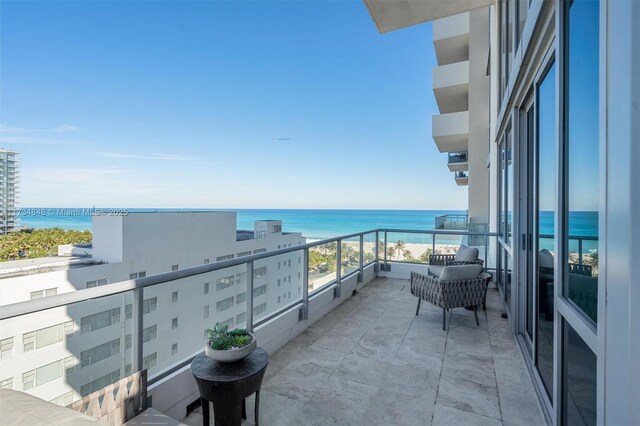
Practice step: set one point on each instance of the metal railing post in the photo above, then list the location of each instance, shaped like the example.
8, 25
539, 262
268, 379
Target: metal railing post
376, 268
580, 251
249, 298
138, 324
433, 243
385, 250
361, 274
338, 268
305, 284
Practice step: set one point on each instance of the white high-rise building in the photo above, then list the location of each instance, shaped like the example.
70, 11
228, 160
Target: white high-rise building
9, 180
90, 344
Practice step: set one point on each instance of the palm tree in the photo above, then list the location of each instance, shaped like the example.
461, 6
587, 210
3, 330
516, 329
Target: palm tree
400, 249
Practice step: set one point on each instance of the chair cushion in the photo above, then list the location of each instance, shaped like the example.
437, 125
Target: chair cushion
466, 254
545, 259
153, 417
436, 269
460, 272
19, 408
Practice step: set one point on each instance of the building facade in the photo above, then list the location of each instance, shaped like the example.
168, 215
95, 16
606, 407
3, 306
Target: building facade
9, 184
90, 345
564, 125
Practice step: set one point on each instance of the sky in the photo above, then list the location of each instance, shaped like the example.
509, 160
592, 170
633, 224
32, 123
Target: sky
216, 104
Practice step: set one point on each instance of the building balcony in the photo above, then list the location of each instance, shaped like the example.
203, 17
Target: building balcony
462, 178
348, 349
451, 131
458, 161
451, 38
451, 87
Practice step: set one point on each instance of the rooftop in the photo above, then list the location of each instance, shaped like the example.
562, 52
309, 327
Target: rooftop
373, 361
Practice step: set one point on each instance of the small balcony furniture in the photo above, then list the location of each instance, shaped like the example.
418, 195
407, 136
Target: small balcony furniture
457, 286
464, 256
227, 384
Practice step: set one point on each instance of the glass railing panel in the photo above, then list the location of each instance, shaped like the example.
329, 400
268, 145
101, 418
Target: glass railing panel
277, 283
322, 265
65, 353
177, 314
369, 248
448, 244
350, 255
408, 247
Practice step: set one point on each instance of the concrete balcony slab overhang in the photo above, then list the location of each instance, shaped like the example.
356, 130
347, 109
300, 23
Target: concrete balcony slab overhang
392, 15
458, 167
462, 181
451, 87
451, 131
451, 39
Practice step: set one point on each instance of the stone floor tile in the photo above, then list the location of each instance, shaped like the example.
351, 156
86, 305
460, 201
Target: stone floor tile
448, 416
468, 396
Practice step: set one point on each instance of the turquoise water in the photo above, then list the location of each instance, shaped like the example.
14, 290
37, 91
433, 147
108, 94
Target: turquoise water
313, 224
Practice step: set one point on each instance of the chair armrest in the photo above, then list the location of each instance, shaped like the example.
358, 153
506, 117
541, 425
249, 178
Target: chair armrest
441, 259
463, 262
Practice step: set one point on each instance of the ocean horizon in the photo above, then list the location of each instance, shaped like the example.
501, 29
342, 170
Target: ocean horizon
314, 224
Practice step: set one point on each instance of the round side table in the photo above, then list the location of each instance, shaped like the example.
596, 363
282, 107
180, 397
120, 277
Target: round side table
227, 385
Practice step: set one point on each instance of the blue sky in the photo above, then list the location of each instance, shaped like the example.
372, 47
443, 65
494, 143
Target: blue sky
215, 104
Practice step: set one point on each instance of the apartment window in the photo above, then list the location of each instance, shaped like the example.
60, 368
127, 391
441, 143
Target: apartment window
227, 257
128, 311
240, 318
206, 312
174, 297
289, 262
240, 298
128, 341
150, 361
140, 274
278, 282
289, 279
260, 272
262, 250
7, 383
45, 373
100, 352
241, 278
100, 383
224, 304
289, 295
278, 299
44, 293
174, 323
244, 253
299, 275
228, 322
259, 309
128, 369
100, 320
149, 333
149, 305
206, 261
64, 399
174, 349
278, 265
299, 260
45, 336
6, 348
277, 228
97, 283
222, 283
174, 267
278, 246
206, 288
259, 291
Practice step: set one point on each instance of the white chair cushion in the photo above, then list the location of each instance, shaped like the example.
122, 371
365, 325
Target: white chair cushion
436, 269
19, 408
466, 254
460, 272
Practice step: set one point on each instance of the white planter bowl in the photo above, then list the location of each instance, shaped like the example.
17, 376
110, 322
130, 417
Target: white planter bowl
230, 355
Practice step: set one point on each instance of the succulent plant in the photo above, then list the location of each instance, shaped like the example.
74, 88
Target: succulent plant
221, 339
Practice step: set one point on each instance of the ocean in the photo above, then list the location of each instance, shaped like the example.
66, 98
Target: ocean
313, 224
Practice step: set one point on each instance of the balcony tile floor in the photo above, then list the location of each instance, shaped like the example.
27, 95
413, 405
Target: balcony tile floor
372, 361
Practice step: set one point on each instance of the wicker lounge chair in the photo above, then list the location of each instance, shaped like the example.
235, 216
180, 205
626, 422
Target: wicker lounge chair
464, 256
458, 286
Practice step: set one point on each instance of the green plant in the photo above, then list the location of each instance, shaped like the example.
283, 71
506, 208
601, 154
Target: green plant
221, 339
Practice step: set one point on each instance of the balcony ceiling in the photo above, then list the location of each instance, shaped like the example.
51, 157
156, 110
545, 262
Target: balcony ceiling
389, 15
458, 167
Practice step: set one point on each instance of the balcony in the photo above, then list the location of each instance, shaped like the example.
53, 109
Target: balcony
462, 178
451, 131
451, 87
451, 38
458, 161
348, 349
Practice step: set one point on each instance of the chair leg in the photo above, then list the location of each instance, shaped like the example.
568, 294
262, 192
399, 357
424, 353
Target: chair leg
444, 318
475, 312
418, 308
